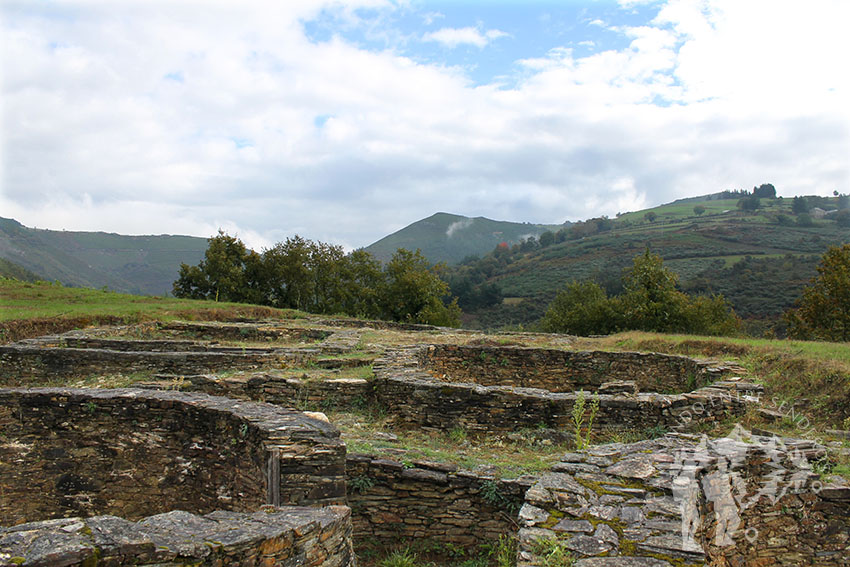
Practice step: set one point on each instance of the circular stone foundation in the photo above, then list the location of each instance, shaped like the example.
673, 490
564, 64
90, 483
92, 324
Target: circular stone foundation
504, 389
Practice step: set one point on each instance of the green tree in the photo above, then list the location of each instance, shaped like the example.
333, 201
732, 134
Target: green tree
785, 220
805, 219
581, 308
650, 301
221, 275
363, 285
547, 239
799, 205
711, 315
765, 191
288, 279
415, 293
842, 218
751, 203
326, 268
699, 210
651, 216
823, 311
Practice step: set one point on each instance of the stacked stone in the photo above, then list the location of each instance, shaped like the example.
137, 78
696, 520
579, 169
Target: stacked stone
394, 503
274, 537
565, 371
134, 453
244, 331
22, 363
275, 388
681, 500
416, 398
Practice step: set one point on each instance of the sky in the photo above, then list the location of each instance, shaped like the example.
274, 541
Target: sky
344, 121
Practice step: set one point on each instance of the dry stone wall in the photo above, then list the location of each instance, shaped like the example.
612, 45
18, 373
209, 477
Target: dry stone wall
134, 453
23, 363
253, 331
277, 388
739, 501
394, 503
566, 371
416, 398
274, 537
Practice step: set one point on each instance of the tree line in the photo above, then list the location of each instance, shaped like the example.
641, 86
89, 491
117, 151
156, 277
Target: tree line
649, 302
321, 278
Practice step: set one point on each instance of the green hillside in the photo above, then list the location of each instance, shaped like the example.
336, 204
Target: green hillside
759, 260
11, 270
132, 264
444, 237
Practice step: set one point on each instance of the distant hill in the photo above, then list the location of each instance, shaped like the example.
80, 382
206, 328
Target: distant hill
11, 270
145, 265
759, 260
444, 237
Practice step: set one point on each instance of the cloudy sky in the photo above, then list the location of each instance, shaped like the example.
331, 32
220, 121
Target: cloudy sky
343, 121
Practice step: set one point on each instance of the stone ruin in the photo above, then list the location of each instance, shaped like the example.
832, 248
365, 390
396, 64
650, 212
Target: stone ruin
222, 473
144, 477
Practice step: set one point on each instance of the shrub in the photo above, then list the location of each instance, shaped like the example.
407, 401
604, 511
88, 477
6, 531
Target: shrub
582, 308
823, 312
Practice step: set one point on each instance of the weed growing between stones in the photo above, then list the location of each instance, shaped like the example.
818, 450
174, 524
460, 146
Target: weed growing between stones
552, 552
493, 494
361, 483
583, 440
400, 558
505, 551
458, 434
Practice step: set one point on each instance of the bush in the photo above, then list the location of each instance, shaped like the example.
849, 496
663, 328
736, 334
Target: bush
650, 302
582, 308
805, 219
823, 312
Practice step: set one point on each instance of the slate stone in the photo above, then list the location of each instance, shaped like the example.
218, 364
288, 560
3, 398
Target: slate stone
606, 533
532, 515
425, 475
630, 514
58, 549
574, 468
674, 546
633, 468
117, 536
588, 545
577, 526
621, 562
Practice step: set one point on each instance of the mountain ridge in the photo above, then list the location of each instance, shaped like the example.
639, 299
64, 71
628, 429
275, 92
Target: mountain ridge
448, 237
142, 265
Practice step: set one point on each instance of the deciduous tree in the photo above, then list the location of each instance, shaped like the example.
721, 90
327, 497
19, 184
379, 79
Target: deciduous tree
581, 308
823, 311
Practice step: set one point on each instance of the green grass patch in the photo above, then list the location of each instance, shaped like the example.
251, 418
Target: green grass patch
29, 309
812, 377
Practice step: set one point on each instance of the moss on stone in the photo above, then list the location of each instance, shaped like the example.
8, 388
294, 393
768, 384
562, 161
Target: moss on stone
555, 516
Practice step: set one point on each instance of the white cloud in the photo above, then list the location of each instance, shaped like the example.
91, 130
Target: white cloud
454, 37
459, 225
270, 134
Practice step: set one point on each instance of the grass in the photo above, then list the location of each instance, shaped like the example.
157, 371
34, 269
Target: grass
29, 309
501, 456
813, 376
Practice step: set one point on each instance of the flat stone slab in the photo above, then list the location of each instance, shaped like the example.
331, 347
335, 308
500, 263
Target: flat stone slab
224, 538
622, 562
580, 526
